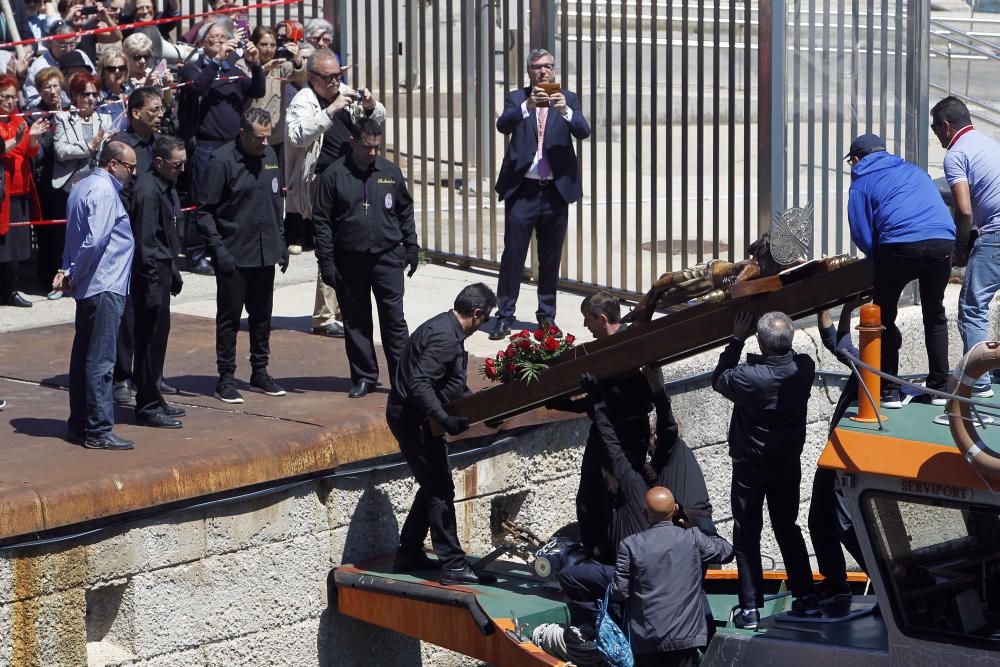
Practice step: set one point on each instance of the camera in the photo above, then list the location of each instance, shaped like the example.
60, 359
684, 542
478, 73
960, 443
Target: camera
360, 92
88, 11
283, 53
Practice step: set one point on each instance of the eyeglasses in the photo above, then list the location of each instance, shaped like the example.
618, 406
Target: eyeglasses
538, 66
90, 94
8, 97
141, 56
128, 165
321, 39
179, 165
116, 69
326, 77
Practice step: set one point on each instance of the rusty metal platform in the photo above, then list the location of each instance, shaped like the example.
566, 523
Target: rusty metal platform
47, 482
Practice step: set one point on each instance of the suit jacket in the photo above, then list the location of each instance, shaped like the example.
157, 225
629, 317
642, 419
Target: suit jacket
74, 159
558, 146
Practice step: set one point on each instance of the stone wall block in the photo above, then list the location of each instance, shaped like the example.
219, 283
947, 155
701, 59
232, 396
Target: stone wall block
46, 630
264, 520
148, 545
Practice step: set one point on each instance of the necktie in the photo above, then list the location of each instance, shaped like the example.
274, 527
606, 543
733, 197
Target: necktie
544, 172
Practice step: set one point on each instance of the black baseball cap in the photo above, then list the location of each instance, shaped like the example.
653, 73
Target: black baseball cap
864, 145
72, 60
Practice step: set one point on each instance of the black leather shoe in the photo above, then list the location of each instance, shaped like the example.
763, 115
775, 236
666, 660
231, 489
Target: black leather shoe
159, 420
747, 619
174, 411
122, 392
203, 268
361, 389
465, 575
502, 329
331, 329
76, 437
108, 441
168, 389
18, 301
545, 321
409, 561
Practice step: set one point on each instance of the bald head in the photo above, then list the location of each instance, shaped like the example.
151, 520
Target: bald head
660, 505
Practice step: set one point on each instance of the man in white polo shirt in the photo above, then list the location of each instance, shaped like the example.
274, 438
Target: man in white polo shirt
972, 167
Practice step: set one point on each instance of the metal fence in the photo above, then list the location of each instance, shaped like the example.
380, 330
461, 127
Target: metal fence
707, 116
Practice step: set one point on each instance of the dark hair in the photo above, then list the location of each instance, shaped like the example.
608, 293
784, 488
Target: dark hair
602, 303
366, 127
113, 150
473, 297
953, 110
165, 145
260, 31
78, 82
138, 97
254, 116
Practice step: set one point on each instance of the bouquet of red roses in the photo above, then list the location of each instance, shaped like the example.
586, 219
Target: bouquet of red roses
527, 355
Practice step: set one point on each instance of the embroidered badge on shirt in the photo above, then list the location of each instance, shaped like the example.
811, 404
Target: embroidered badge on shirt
274, 185
388, 201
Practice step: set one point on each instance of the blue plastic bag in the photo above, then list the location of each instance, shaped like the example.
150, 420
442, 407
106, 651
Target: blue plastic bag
614, 645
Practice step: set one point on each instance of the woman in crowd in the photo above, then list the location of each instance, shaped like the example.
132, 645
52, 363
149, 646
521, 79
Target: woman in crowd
141, 72
112, 68
50, 238
79, 135
145, 10
20, 201
319, 33
278, 71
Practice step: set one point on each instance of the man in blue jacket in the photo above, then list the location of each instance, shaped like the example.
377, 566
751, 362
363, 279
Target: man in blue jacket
899, 221
538, 181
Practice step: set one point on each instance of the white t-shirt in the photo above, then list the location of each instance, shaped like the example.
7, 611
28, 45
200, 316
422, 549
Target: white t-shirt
975, 158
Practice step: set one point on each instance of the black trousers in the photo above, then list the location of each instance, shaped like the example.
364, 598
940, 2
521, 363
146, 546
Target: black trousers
685, 658
593, 506
362, 275
433, 507
252, 288
929, 263
152, 328
830, 525
542, 210
584, 584
125, 354
777, 482
51, 238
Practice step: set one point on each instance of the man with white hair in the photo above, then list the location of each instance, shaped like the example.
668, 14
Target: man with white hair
770, 394
318, 129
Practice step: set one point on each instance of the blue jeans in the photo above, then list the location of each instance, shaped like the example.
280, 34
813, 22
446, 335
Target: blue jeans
982, 280
91, 406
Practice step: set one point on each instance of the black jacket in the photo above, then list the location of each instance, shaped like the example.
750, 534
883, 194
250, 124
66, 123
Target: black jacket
154, 210
362, 212
433, 368
209, 109
770, 396
658, 574
240, 209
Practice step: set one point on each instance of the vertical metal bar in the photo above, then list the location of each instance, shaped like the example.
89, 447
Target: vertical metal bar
685, 94
700, 136
579, 143
598, 127
423, 154
918, 64
397, 158
855, 70
465, 94
564, 65
811, 127
825, 126
639, 78
731, 136
436, 157
336, 11
624, 145
490, 134
668, 153
771, 126
543, 24
654, 140
839, 145
382, 46
609, 186
885, 59
897, 102
480, 147
449, 50
716, 148
747, 127
870, 67
409, 75
369, 60
796, 113
355, 36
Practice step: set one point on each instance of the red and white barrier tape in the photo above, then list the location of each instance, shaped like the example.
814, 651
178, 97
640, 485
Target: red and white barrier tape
40, 223
143, 24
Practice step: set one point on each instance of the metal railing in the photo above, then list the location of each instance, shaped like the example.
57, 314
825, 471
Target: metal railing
970, 60
702, 128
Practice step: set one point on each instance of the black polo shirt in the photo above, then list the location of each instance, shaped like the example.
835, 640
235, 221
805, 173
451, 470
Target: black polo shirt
143, 148
433, 368
362, 212
154, 211
240, 206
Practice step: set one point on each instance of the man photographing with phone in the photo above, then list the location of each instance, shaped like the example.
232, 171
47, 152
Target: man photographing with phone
538, 181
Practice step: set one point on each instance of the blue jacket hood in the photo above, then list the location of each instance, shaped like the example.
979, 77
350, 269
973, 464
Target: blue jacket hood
875, 162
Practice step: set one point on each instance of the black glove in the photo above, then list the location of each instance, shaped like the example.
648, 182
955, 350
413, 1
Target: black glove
412, 260
176, 282
283, 264
329, 275
224, 262
592, 386
454, 424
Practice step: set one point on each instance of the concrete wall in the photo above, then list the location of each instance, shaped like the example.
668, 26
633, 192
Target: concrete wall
246, 584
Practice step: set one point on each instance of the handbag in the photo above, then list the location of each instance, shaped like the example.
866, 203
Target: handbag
614, 645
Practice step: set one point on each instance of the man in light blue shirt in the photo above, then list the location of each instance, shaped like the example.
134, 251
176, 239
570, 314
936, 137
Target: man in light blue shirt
96, 268
972, 168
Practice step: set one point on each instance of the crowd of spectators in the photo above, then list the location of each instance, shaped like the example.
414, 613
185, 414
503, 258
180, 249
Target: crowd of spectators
63, 99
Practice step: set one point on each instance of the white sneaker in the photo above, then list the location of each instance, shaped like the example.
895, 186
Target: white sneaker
982, 392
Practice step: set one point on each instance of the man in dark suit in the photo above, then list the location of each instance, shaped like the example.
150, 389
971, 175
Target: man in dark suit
538, 181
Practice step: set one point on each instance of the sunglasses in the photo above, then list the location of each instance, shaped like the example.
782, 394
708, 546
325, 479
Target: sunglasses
179, 165
325, 77
128, 165
141, 56
116, 69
